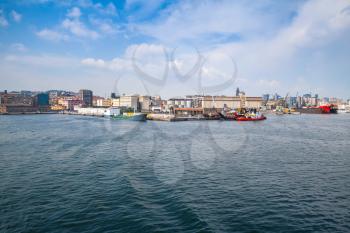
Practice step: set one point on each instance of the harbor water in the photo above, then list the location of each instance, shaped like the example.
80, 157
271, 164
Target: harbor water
62, 173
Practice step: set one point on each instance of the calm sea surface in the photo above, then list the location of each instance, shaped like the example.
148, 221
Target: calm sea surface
62, 173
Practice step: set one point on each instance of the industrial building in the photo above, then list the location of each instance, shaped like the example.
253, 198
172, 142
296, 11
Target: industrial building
209, 103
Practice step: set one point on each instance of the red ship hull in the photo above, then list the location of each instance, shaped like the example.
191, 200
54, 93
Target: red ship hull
250, 118
325, 109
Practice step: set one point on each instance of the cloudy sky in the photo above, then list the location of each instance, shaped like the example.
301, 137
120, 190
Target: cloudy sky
174, 48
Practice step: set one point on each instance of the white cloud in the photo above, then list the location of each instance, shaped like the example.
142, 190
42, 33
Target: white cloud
3, 20
52, 35
19, 47
198, 19
142, 8
94, 62
41, 60
318, 22
73, 24
17, 17
105, 26
274, 44
319, 26
150, 64
110, 9
74, 13
116, 64
149, 56
76, 27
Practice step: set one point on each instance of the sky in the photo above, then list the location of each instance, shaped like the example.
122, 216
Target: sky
176, 48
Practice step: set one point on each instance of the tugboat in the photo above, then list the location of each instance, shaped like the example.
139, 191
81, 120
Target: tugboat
250, 117
331, 108
244, 115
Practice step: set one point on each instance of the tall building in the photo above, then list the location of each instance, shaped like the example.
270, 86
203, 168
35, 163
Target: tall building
237, 91
86, 96
42, 99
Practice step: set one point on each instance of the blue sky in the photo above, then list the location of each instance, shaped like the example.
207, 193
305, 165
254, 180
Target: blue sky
197, 47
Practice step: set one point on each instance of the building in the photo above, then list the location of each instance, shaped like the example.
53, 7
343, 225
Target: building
26, 93
15, 103
104, 103
293, 101
145, 103
126, 101
95, 99
15, 99
230, 102
42, 100
116, 102
86, 96
180, 102
299, 102
17, 109
69, 102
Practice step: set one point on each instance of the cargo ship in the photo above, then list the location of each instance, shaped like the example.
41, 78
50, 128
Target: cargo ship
324, 109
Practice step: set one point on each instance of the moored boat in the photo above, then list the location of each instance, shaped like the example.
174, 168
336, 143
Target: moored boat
229, 116
324, 109
131, 116
250, 118
212, 116
244, 114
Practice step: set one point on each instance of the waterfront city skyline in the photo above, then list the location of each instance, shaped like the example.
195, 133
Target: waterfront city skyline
174, 116
287, 47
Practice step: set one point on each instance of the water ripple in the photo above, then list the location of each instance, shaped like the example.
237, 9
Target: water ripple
82, 174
